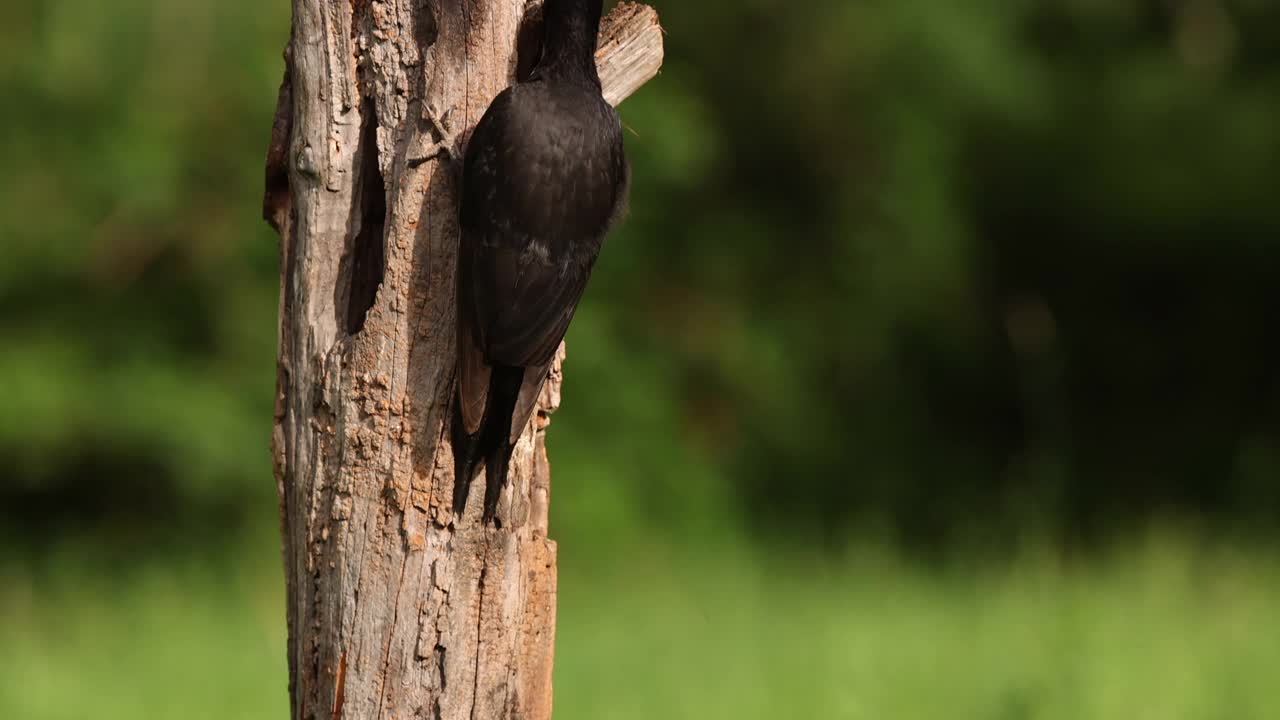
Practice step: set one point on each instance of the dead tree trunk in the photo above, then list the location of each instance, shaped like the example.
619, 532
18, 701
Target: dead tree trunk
397, 609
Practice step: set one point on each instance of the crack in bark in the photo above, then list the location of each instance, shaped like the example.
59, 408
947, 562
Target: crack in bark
341, 684
484, 569
365, 266
386, 657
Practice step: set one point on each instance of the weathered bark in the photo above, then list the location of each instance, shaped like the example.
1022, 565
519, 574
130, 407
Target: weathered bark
396, 608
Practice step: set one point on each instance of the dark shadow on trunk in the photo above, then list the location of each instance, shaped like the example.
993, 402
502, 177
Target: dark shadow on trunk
368, 251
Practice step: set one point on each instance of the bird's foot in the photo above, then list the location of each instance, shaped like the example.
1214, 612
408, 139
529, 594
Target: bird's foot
438, 141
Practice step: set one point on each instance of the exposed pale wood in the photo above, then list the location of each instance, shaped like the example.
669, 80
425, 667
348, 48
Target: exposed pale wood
630, 50
396, 608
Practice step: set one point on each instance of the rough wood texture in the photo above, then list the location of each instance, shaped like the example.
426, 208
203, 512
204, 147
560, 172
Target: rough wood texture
397, 609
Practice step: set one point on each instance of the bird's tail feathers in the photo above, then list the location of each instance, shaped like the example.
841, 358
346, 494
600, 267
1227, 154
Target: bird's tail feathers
495, 468
504, 390
489, 444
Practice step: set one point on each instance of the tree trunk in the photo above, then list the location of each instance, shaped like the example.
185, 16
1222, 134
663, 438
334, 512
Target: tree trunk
396, 608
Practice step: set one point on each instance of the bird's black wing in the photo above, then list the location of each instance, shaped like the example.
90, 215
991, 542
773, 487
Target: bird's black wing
538, 196
540, 189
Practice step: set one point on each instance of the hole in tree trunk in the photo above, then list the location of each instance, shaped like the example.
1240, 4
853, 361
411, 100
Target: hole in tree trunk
529, 42
368, 252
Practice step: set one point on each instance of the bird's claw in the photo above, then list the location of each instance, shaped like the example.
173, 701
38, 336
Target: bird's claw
442, 140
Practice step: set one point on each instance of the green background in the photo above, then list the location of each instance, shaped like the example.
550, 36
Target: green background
933, 375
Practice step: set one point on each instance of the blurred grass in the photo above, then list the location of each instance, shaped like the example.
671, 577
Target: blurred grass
1167, 628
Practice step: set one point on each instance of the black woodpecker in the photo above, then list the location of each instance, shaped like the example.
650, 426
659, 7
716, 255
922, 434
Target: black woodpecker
544, 178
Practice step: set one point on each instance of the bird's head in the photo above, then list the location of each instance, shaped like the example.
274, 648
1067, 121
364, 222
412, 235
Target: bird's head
569, 35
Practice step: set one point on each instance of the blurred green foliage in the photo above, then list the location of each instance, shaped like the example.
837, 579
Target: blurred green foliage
964, 264
922, 265
136, 295
958, 274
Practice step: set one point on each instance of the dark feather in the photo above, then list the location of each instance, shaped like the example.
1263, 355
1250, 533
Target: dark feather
530, 390
473, 370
